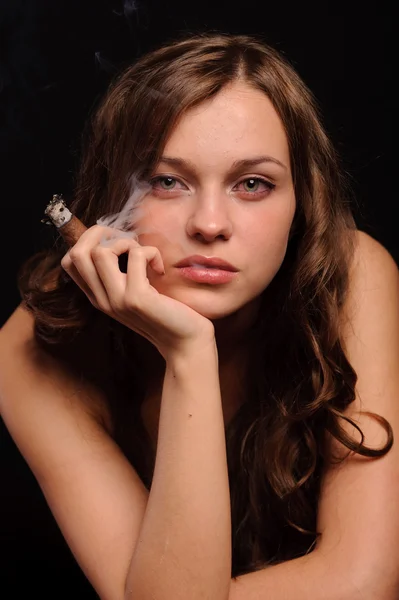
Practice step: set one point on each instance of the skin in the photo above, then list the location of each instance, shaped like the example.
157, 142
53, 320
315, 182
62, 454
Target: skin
210, 211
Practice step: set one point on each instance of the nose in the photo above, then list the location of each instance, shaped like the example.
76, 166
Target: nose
209, 219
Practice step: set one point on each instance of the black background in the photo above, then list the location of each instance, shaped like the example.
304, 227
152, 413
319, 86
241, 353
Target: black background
56, 59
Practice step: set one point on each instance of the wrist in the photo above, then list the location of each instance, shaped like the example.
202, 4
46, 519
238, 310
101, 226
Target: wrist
194, 354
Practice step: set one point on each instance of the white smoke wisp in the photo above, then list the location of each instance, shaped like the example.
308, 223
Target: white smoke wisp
103, 63
125, 222
129, 7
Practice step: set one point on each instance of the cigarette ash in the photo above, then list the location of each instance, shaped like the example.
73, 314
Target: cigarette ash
57, 212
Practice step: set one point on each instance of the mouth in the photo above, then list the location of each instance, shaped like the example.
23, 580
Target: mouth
208, 275
204, 262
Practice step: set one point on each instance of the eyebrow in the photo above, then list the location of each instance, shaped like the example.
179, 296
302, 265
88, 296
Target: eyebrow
238, 164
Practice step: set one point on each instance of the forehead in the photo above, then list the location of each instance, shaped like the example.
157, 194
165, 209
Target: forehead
238, 120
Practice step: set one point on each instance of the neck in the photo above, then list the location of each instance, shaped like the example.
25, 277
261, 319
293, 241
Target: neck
234, 333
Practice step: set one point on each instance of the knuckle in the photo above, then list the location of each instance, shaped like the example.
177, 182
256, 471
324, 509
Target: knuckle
95, 304
98, 228
102, 305
65, 261
74, 254
115, 307
101, 302
133, 304
118, 305
97, 251
105, 231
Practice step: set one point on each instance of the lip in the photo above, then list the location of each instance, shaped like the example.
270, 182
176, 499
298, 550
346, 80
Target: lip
211, 262
206, 275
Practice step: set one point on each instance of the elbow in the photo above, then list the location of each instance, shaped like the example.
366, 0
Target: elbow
359, 577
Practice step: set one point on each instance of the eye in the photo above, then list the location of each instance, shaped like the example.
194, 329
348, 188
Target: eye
164, 179
254, 182
168, 184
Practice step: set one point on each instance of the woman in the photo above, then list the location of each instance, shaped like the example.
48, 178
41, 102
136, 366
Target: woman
207, 424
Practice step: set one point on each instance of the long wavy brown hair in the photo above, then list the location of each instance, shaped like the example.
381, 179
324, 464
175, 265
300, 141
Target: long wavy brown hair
300, 380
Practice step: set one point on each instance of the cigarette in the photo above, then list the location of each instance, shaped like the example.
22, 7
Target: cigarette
68, 225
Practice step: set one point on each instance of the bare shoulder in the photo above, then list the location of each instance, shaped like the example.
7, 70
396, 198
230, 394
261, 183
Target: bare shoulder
20, 351
370, 326
357, 512
373, 281
371, 251
19, 324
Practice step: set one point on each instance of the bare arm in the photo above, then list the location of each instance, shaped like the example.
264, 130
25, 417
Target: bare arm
357, 555
92, 490
184, 546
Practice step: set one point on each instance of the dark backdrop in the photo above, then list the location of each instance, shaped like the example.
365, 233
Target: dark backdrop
56, 58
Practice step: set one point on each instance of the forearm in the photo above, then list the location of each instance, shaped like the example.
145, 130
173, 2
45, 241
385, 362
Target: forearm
184, 546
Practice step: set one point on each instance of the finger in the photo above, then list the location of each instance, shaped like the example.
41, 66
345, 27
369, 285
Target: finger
74, 274
98, 234
105, 258
123, 244
78, 262
80, 267
105, 261
81, 256
139, 259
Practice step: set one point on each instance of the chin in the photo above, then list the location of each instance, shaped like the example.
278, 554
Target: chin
213, 314
211, 304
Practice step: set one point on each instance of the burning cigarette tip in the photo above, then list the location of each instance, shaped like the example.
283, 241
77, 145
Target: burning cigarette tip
69, 226
57, 212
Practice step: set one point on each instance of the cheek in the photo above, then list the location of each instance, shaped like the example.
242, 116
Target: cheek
157, 229
268, 234
267, 245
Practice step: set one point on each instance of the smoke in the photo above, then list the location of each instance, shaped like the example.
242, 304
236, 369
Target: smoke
104, 64
126, 222
129, 7
129, 11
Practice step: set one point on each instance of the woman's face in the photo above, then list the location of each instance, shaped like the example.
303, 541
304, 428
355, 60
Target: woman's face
203, 204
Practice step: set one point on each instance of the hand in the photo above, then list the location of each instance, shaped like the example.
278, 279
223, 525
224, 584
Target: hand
129, 298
